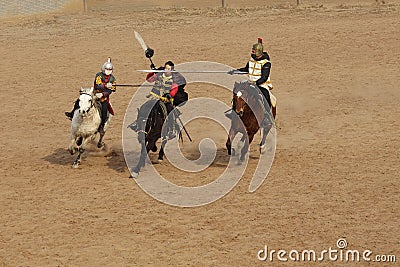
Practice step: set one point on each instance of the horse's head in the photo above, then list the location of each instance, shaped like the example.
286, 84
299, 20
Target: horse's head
86, 100
142, 119
240, 97
141, 127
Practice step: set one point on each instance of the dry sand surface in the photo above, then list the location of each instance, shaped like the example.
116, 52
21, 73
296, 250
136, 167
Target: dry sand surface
335, 68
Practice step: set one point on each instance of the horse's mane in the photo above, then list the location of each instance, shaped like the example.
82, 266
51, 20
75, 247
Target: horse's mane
146, 108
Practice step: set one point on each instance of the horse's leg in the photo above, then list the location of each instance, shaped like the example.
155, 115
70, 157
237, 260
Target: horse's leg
265, 132
228, 144
100, 144
161, 152
78, 158
151, 145
82, 147
141, 163
245, 148
72, 148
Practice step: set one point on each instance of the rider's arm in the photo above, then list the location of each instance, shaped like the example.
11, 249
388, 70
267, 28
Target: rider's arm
245, 69
151, 77
100, 86
179, 79
264, 73
107, 92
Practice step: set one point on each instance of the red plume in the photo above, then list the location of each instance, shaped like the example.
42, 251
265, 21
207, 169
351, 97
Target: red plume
259, 40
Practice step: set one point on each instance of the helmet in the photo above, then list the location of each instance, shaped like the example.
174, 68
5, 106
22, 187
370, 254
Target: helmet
258, 49
170, 63
107, 67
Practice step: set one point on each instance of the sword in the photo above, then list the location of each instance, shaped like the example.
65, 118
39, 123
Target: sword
192, 71
147, 50
133, 85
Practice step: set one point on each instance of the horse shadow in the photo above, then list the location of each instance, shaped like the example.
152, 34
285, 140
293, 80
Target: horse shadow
115, 158
60, 156
116, 161
221, 159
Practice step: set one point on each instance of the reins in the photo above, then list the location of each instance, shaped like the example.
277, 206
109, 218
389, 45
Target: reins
84, 93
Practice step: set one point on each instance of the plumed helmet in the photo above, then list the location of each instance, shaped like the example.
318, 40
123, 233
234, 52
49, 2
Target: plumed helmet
258, 49
107, 67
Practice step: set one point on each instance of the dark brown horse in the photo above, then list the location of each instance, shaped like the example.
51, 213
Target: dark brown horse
149, 126
248, 106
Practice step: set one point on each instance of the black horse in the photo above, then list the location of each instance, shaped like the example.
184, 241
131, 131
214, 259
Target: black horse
149, 126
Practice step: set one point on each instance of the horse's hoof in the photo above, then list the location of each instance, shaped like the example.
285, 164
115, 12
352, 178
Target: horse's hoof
160, 160
100, 144
242, 158
75, 165
233, 152
263, 148
134, 175
72, 150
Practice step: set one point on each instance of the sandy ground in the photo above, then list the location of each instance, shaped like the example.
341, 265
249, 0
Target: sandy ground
335, 174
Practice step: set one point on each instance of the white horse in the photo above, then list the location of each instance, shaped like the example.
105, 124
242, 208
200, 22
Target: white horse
85, 124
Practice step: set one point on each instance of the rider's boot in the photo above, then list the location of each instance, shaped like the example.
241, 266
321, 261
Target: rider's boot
171, 127
171, 133
267, 120
70, 115
229, 114
172, 124
133, 126
101, 128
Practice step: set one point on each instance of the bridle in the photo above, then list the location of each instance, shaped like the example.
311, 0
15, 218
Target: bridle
240, 94
92, 102
141, 124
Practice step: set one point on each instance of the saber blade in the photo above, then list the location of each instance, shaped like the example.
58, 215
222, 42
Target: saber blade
141, 41
133, 85
191, 71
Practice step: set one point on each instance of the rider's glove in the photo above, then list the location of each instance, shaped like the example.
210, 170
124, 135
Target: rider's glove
99, 95
232, 72
168, 96
152, 66
109, 85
